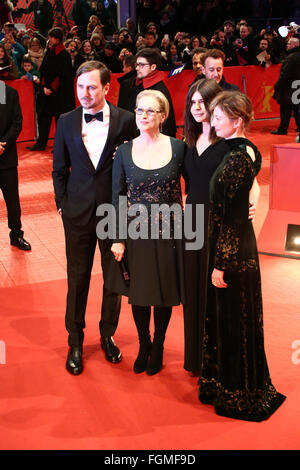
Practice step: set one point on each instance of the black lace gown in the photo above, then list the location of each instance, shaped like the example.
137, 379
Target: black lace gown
155, 264
234, 375
198, 170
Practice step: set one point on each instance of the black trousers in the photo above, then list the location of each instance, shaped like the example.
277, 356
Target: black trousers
286, 111
10, 189
80, 250
44, 126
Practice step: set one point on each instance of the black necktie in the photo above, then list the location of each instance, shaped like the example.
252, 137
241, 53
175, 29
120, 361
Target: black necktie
90, 117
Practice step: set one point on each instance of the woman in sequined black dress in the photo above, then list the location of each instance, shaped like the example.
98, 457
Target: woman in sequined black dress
234, 375
147, 170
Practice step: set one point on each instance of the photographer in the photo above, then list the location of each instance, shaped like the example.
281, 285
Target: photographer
245, 47
43, 15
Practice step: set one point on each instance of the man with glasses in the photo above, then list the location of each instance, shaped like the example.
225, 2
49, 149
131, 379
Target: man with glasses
148, 62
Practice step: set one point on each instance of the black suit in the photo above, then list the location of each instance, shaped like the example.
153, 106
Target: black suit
79, 189
10, 128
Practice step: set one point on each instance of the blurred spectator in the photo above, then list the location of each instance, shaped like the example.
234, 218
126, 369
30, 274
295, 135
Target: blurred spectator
6, 7
213, 65
283, 90
115, 38
264, 55
124, 52
140, 42
125, 40
36, 52
127, 81
43, 15
152, 28
92, 24
24, 41
228, 45
173, 57
77, 59
218, 39
87, 52
56, 88
197, 62
15, 49
11, 72
150, 39
244, 47
131, 28
29, 70
109, 57
98, 42
146, 13
81, 13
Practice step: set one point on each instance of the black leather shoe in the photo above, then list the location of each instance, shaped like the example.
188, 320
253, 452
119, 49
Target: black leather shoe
279, 132
35, 147
20, 243
112, 352
74, 360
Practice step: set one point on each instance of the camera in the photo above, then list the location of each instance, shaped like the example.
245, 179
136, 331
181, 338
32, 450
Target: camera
126, 36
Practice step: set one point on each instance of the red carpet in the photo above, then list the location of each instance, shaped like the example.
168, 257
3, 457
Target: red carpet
108, 407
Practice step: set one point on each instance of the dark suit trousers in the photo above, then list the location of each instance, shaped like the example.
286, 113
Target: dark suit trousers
10, 189
80, 250
44, 126
285, 116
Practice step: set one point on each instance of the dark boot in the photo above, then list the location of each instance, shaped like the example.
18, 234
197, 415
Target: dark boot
162, 317
141, 317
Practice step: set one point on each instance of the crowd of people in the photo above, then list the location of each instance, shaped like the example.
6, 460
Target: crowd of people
218, 283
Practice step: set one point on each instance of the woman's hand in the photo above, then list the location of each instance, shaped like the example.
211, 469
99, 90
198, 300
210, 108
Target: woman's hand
217, 279
118, 250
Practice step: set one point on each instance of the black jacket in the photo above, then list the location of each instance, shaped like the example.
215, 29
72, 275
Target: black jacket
79, 187
10, 126
289, 72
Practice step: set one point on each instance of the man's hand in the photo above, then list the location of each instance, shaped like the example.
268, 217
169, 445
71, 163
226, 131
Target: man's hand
2, 147
47, 91
118, 250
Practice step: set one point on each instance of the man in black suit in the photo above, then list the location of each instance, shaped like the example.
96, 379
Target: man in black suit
10, 128
213, 66
85, 142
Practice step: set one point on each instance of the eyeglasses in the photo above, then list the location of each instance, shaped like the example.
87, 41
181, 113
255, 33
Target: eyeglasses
140, 64
149, 112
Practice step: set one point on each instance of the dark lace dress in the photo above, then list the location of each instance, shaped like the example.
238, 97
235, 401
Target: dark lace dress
155, 263
198, 170
235, 376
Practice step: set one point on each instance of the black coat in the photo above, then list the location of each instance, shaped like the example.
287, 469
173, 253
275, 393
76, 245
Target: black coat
57, 74
10, 126
289, 72
79, 188
127, 82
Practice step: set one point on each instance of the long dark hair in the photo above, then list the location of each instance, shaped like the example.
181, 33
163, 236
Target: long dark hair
7, 60
208, 89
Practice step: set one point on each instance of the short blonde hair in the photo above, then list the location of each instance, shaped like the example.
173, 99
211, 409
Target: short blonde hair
235, 105
162, 101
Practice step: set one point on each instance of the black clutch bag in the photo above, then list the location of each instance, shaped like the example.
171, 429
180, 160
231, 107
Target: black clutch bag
124, 270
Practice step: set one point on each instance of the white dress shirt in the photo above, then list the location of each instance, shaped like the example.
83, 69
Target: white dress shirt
94, 134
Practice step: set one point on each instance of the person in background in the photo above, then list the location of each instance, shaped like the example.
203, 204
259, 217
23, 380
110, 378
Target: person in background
36, 52
10, 69
56, 87
10, 128
213, 66
148, 64
127, 81
283, 90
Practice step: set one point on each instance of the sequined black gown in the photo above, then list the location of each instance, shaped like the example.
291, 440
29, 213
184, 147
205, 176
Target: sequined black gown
235, 376
155, 265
